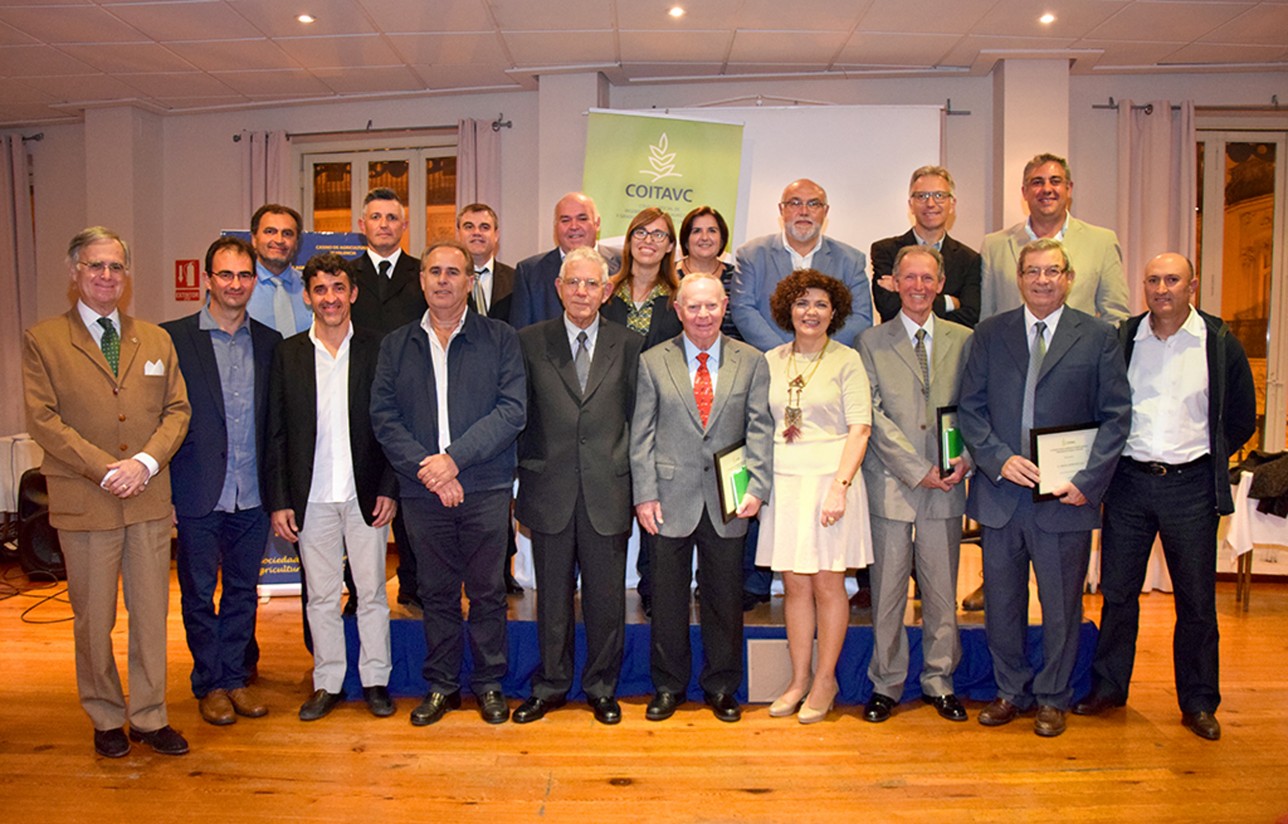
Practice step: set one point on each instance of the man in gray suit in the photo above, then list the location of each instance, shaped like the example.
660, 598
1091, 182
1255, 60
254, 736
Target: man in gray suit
914, 364
575, 487
1059, 367
698, 394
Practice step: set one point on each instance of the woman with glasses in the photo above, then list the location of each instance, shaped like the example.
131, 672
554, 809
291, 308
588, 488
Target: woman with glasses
704, 236
643, 287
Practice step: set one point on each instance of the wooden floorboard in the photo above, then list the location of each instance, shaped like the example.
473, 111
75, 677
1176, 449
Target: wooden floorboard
1136, 765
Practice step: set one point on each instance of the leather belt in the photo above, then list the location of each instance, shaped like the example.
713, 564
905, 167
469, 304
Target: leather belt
1160, 469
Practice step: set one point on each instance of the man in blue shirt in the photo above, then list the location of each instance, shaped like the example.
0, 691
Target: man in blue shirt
278, 302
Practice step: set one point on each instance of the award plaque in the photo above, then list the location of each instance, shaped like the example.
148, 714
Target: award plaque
732, 477
950, 439
1060, 452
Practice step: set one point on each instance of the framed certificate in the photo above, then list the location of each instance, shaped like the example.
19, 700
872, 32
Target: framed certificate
1060, 453
732, 477
950, 439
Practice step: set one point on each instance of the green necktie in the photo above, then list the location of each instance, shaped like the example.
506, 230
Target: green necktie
111, 344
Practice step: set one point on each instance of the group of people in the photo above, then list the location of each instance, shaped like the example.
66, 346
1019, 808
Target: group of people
389, 392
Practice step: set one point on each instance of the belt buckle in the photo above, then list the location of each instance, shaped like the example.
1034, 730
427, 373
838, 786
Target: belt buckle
1156, 469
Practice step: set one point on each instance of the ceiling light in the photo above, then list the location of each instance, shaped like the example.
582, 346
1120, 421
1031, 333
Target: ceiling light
676, 11
1047, 19
306, 18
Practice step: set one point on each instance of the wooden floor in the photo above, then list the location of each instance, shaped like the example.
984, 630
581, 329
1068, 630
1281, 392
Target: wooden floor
1137, 765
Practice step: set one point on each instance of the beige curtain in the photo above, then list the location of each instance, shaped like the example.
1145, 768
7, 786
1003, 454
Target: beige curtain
1156, 185
17, 277
267, 175
478, 163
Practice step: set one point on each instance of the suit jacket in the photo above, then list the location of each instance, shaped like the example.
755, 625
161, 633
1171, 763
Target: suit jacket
664, 325
84, 417
535, 297
961, 278
486, 411
199, 467
383, 307
577, 443
293, 426
763, 262
1083, 379
904, 445
673, 455
502, 293
1099, 287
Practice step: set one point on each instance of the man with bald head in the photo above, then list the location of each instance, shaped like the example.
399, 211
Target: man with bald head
535, 297
1193, 406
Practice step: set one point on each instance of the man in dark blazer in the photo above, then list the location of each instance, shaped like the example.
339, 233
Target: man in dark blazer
575, 487
698, 394
478, 228
535, 297
455, 465
932, 199
387, 282
217, 474
1059, 367
323, 460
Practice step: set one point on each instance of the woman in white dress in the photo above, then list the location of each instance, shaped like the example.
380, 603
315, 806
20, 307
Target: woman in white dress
815, 525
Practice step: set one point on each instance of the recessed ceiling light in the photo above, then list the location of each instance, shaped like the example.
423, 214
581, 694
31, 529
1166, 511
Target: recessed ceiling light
1047, 19
306, 18
676, 11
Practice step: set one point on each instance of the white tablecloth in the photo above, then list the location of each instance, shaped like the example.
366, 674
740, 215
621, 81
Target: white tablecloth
1248, 527
18, 453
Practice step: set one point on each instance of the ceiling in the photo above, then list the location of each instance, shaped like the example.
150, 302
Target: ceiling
59, 57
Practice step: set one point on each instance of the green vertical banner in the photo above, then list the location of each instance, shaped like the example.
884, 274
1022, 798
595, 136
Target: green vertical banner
634, 161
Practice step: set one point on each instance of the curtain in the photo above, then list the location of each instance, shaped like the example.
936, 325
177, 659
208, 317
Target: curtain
1157, 183
17, 277
478, 163
267, 178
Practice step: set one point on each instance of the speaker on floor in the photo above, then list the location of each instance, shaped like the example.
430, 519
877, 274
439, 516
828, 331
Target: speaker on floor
39, 551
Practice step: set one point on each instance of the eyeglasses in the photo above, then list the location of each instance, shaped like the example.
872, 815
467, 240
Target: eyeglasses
577, 284
1051, 272
657, 235
813, 204
98, 267
938, 197
227, 277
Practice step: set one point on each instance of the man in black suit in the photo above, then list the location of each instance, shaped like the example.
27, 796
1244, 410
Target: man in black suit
933, 202
323, 458
388, 295
477, 227
574, 485
225, 358
535, 298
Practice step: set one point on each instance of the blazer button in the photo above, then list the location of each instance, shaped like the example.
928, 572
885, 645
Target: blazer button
120, 418
116, 390
706, 469
124, 447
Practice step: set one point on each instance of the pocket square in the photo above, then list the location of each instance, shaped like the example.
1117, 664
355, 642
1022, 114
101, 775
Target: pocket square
155, 367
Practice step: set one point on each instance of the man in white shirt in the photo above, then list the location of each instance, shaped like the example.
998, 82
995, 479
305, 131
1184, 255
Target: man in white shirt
478, 228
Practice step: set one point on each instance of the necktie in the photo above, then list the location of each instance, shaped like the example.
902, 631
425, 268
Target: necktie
480, 301
702, 393
581, 362
920, 349
111, 344
1036, 353
382, 282
283, 314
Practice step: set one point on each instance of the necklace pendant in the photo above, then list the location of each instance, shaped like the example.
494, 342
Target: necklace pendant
797, 382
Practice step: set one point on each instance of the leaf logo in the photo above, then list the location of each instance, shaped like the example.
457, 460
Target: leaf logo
661, 160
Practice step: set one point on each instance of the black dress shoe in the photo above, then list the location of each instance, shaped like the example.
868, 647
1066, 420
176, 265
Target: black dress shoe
164, 741
724, 705
606, 709
111, 743
492, 707
351, 605
1202, 724
378, 701
534, 709
646, 604
1095, 704
947, 706
434, 706
320, 704
879, 708
662, 706
512, 587
751, 599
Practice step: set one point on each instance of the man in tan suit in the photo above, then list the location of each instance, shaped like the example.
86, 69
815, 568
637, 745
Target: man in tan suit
914, 364
106, 402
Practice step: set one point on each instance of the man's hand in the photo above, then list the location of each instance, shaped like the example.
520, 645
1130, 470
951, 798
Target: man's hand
961, 468
126, 478
283, 521
451, 493
1069, 494
933, 481
1022, 471
749, 507
650, 515
386, 509
436, 470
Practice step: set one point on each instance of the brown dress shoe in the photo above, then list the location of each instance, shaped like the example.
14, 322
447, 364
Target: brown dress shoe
999, 712
975, 601
1202, 724
1050, 721
246, 703
216, 708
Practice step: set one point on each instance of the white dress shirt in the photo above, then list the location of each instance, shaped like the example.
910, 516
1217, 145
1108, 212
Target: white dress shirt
691, 352
438, 357
333, 481
1169, 394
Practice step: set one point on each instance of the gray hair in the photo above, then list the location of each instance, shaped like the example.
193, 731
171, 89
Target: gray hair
933, 171
92, 235
586, 253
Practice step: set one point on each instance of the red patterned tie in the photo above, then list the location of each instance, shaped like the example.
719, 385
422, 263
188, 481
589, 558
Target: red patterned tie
702, 394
